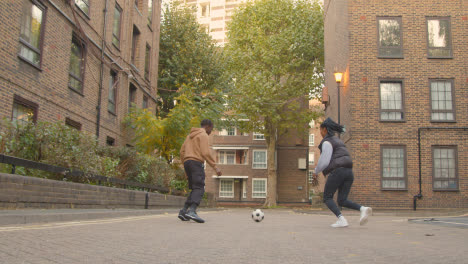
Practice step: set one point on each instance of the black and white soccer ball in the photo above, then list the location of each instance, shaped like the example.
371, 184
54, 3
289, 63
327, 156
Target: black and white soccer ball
258, 215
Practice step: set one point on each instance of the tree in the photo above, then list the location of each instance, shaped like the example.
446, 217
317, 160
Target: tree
187, 56
275, 61
190, 85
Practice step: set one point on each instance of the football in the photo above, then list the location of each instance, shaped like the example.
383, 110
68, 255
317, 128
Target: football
258, 215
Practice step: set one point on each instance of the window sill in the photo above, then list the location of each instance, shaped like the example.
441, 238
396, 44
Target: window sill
443, 121
30, 63
150, 28
392, 121
446, 190
115, 46
76, 91
138, 10
134, 67
442, 58
399, 190
396, 57
111, 113
259, 168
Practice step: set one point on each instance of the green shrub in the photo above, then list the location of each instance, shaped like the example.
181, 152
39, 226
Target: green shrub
59, 145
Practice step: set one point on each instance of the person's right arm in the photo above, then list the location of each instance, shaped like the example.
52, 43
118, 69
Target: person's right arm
325, 157
206, 153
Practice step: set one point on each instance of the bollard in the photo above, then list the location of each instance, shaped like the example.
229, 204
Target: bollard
146, 200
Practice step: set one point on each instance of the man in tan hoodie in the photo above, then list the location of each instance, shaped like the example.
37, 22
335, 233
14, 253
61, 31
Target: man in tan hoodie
194, 152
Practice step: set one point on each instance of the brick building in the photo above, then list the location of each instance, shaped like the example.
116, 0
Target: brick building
51, 66
405, 85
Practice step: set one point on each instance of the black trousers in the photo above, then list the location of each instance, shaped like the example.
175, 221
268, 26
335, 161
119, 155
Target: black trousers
340, 179
196, 179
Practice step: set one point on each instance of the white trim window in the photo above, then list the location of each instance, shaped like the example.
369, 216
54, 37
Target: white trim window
311, 140
244, 188
311, 159
230, 131
311, 176
227, 157
258, 136
259, 160
259, 188
226, 188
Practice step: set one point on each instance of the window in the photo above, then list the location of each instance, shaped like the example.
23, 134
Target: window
226, 188
135, 37
137, 4
311, 140
112, 98
83, 5
147, 62
131, 96
110, 141
244, 188
312, 123
145, 101
205, 10
258, 136
77, 65
24, 111
445, 174
73, 124
32, 28
259, 159
391, 101
259, 188
311, 176
150, 12
116, 26
393, 167
439, 42
227, 157
390, 37
231, 131
311, 159
442, 104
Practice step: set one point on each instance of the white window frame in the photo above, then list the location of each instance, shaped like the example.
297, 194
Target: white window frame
312, 123
256, 163
258, 136
231, 193
311, 176
235, 131
311, 154
244, 188
311, 140
224, 154
259, 194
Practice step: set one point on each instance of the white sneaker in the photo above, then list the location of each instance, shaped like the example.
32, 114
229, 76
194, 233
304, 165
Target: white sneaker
341, 222
365, 213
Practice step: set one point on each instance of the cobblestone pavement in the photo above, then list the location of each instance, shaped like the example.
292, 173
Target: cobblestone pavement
230, 236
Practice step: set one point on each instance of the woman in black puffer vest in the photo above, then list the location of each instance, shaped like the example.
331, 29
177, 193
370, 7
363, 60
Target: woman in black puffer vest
336, 163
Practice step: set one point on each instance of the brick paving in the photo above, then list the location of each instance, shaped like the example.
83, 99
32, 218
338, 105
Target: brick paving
230, 236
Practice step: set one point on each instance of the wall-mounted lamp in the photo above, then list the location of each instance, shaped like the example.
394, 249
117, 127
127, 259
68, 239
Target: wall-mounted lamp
338, 76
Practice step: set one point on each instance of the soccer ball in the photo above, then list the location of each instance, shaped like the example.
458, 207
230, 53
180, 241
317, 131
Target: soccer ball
258, 215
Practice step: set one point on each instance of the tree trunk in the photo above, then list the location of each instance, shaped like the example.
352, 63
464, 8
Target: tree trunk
272, 175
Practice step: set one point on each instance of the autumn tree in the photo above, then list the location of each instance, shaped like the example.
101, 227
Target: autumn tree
275, 53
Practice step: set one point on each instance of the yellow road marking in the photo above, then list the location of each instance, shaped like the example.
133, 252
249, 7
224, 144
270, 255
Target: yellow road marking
83, 223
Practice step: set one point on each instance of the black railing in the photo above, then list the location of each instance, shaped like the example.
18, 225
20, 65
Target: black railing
14, 162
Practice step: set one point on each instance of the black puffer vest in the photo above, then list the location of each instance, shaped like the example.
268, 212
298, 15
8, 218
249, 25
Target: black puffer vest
340, 157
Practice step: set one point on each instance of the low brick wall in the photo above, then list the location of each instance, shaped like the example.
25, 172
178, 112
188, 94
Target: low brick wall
29, 192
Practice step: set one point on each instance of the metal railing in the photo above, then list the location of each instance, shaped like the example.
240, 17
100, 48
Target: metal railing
18, 162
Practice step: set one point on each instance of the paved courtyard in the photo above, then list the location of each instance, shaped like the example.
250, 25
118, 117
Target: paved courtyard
230, 236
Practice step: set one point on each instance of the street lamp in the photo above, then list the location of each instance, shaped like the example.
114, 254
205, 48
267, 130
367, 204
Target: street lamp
338, 77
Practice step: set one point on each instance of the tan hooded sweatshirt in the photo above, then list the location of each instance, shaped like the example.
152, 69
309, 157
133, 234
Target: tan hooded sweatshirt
196, 147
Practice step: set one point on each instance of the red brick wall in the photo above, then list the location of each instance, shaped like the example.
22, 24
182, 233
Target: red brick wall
360, 96
48, 86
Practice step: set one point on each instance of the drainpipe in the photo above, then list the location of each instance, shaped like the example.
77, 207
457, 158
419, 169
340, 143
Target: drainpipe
419, 195
101, 75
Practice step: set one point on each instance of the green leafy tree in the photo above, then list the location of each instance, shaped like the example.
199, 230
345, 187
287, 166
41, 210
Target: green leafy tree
187, 56
191, 84
276, 59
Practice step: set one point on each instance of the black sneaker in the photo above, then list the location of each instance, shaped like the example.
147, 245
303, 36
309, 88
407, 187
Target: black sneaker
193, 215
182, 215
